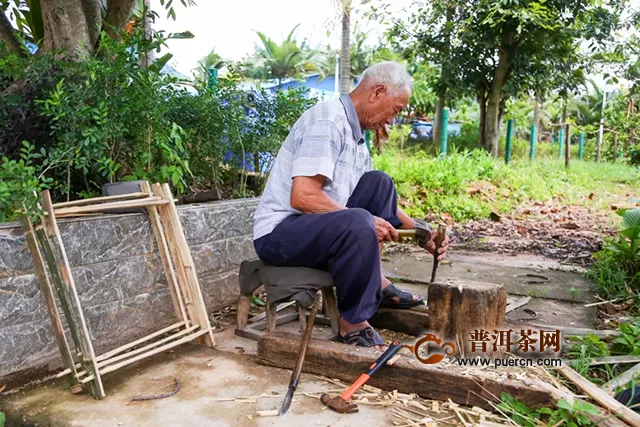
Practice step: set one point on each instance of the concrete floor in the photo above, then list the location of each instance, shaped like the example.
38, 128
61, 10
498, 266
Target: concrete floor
205, 375
230, 370
559, 301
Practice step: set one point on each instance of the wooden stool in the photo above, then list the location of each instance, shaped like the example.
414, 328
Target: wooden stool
294, 285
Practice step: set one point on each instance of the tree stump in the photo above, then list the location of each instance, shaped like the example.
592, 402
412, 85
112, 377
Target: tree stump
469, 314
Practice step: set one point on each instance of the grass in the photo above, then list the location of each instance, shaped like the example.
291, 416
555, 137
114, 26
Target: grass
471, 184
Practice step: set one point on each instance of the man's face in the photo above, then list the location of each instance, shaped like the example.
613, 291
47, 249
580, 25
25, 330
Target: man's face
383, 107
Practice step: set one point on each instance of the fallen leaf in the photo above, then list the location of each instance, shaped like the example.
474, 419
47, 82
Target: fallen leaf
522, 230
591, 196
3, 388
446, 218
570, 225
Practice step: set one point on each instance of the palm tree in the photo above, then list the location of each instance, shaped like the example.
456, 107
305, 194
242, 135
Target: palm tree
286, 60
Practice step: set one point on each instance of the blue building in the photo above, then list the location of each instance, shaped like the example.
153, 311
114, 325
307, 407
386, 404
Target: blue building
322, 88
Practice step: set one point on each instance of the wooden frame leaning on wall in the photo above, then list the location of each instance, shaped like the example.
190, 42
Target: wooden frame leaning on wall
83, 368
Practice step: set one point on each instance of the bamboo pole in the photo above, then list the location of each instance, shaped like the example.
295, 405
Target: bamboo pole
111, 206
88, 354
161, 240
147, 347
173, 248
184, 261
601, 396
47, 294
128, 196
112, 368
125, 347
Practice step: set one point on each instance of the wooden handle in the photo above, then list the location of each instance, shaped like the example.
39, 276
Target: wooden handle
407, 234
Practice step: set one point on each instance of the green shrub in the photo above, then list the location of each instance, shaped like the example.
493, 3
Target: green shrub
616, 272
107, 119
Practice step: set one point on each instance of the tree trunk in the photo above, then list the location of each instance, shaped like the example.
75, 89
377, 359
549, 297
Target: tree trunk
615, 147
345, 63
536, 116
482, 100
492, 123
8, 35
437, 121
66, 28
147, 58
118, 15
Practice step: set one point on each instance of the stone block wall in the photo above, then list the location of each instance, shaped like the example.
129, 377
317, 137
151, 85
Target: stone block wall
119, 278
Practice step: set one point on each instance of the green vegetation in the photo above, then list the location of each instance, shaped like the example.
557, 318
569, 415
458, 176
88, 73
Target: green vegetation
616, 272
565, 414
472, 184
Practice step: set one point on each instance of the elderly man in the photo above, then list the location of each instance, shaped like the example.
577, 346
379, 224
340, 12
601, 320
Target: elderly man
324, 207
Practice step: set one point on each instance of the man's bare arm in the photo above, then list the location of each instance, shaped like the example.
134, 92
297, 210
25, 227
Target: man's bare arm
407, 222
307, 195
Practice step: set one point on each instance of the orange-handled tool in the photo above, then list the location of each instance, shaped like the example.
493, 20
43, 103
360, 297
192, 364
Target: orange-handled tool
341, 403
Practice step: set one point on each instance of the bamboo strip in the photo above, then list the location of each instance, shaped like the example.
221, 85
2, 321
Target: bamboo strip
65, 270
185, 255
47, 293
112, 206
601, 396
173, 248
151, 353
147, 347
108, 355
161, 240
118, 350
128, 196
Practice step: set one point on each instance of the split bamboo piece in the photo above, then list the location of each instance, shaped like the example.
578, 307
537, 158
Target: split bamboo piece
165, 347
165, 256
47, 293
120, 197
600, 396
185, 261
142, 203
88, 356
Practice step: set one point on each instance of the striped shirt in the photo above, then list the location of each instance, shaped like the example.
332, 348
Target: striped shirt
326, 140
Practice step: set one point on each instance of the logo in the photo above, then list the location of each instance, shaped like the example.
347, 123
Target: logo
448, 347
528, 345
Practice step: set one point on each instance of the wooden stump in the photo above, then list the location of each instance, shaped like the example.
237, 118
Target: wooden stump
469, 314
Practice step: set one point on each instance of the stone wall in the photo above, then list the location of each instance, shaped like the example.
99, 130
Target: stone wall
119, 278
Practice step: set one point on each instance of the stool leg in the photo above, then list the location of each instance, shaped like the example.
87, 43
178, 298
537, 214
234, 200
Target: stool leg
242, 312
331, 308
271, 316
302, 314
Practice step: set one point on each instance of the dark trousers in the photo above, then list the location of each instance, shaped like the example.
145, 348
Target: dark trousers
343, 242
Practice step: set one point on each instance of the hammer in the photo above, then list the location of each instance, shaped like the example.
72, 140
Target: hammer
420, 234
341, 403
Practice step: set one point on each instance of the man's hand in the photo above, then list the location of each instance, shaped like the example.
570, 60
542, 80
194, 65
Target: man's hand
442, 250
425, 238
386, 232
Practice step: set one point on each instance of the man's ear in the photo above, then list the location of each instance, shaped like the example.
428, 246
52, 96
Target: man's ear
377, 91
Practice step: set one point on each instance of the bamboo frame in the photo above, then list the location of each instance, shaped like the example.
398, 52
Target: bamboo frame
85, 368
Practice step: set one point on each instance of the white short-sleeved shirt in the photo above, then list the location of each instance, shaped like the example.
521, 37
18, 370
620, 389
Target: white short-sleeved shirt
326, 140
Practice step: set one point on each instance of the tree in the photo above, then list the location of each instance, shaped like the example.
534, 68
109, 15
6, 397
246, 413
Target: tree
280, 61
494, 48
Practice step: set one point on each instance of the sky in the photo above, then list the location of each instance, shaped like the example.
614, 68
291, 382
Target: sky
230, 26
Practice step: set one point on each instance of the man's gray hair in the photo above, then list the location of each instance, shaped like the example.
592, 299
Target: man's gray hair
389, 73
